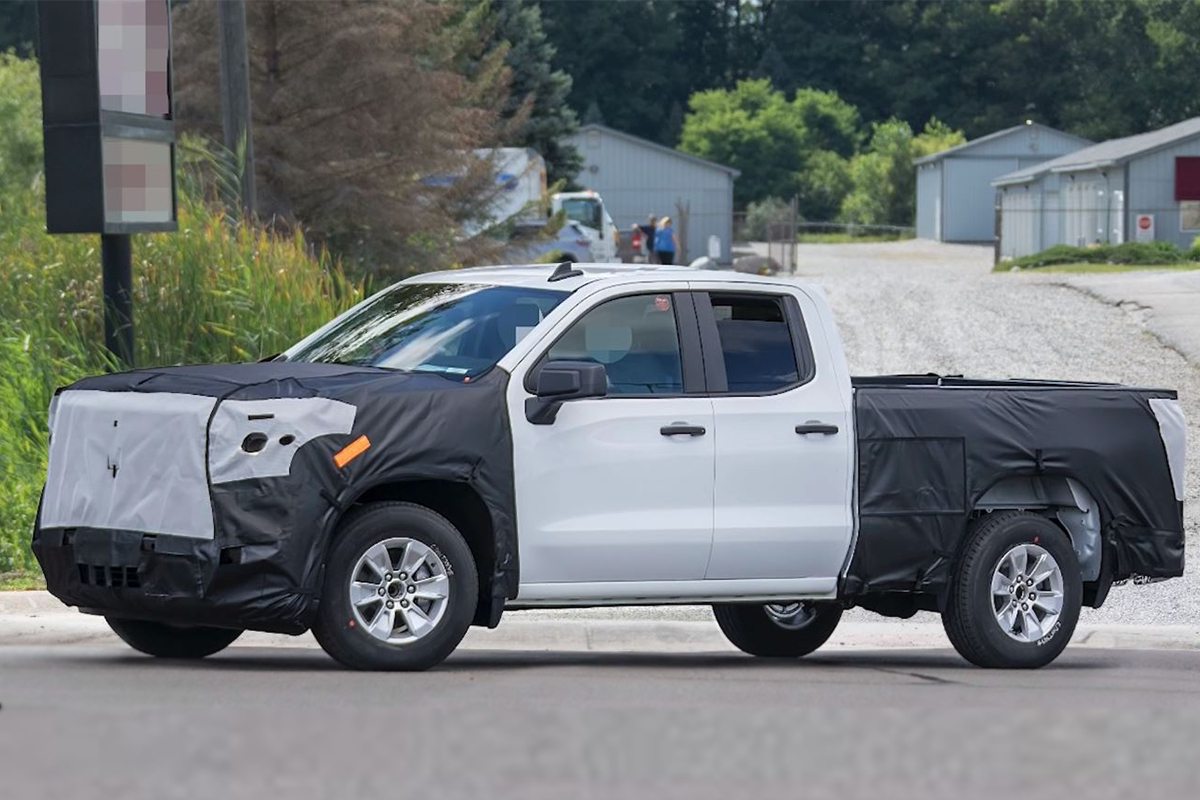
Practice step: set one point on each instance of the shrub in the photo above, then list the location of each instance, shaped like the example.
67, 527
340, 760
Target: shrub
1147, 253
764, 219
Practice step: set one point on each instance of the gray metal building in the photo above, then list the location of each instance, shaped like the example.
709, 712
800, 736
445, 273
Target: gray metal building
637, 177
955, 200
1140, 187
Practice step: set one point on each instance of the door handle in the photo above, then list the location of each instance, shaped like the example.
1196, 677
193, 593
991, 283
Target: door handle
681, 429
817, 427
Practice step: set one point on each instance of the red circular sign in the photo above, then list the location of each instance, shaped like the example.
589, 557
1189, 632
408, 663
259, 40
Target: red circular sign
1144, 223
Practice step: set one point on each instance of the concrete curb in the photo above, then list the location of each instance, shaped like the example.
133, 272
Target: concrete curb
36, 618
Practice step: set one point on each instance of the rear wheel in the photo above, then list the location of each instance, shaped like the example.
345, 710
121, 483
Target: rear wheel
172, 641
1016, 592
777, 630
400, 590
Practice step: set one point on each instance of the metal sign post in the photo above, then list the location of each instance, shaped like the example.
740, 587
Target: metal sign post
116, 267
108, 134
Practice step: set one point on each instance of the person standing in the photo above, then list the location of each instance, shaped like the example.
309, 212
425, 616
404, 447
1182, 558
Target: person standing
666, 243
636, 239
648, 231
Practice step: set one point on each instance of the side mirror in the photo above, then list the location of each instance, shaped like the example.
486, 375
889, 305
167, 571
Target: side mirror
560, 381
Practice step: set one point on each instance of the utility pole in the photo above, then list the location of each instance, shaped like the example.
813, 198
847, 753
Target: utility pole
235, 91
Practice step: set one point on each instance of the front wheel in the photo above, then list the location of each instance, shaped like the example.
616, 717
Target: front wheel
1016, 592
784, 630
172, 641
400, 589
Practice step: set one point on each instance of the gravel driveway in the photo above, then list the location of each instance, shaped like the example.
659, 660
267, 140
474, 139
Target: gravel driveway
926, 307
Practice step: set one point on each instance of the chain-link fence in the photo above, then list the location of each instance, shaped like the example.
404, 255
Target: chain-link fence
774, 228
771, 230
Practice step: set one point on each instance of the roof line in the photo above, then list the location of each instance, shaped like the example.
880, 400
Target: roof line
994, 135
1061, 164
656, 146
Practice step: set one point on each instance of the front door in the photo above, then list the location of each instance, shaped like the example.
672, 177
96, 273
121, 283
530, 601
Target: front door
618, 488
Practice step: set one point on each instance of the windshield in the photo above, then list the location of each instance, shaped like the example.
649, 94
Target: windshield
455, 329
583, 211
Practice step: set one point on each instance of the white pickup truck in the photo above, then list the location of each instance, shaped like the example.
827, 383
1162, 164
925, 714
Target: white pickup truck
470, 442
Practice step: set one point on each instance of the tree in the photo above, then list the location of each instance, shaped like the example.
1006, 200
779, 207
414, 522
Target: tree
18, 26
752, 128
621, 58
538, 91
883, 178
936, 137
1098, 69
364, 125
20, 123
828, 122
782, 148
822, 185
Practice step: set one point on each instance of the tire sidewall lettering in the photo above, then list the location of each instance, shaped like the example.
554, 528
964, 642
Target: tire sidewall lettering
1046, 639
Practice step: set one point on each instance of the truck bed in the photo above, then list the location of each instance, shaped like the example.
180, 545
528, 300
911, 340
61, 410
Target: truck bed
929, 447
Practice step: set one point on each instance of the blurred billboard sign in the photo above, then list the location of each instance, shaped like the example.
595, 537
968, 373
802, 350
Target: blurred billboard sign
106, 115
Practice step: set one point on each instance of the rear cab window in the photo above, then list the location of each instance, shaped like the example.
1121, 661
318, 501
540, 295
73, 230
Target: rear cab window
760, 342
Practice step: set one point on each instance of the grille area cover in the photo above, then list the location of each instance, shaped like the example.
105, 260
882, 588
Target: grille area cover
129, 461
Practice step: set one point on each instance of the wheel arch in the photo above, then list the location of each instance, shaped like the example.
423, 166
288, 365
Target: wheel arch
460, 504
1063, 499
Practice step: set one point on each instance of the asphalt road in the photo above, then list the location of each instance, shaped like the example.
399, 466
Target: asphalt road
98, 721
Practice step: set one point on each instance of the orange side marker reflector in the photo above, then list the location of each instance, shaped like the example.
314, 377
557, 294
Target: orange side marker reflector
351, 451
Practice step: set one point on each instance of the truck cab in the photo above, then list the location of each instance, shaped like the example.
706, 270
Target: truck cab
476, 442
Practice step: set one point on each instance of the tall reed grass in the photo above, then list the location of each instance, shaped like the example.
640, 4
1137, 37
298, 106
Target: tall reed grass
220, 289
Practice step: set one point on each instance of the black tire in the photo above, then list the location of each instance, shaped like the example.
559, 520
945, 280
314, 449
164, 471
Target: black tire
348, 642
970, 616
172, 641
750, 629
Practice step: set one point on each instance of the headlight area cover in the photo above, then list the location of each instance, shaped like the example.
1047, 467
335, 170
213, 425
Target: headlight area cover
239, 427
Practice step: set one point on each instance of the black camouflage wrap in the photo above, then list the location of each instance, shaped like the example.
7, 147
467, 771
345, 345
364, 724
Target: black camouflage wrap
926, 454
262, 569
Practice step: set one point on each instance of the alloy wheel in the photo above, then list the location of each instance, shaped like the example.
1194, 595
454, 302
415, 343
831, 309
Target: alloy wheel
399, 590
1027, 592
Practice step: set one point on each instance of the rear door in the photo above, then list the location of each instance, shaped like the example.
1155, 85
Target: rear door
784, 436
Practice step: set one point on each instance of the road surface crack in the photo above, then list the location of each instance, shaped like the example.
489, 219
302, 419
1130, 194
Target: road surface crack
918, 675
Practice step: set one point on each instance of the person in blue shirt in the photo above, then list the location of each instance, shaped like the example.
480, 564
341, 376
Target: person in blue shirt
666, 243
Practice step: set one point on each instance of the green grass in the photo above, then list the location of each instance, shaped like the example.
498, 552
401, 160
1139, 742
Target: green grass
1108, 257
1086, 267
21, 582
847, 238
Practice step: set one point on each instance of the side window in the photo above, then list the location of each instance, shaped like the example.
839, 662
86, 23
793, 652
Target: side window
635, 338
756, 342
